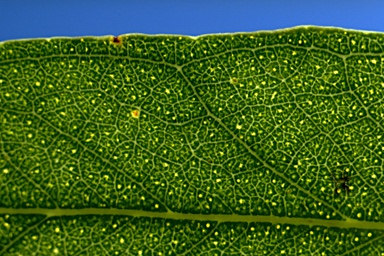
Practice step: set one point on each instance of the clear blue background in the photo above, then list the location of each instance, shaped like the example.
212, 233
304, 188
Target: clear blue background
31, 19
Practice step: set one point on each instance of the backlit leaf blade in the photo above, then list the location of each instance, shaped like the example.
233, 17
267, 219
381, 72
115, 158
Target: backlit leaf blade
260, 143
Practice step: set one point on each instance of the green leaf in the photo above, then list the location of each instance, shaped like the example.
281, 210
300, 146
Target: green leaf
251, 143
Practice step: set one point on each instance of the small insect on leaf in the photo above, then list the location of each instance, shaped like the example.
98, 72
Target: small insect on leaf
342, 183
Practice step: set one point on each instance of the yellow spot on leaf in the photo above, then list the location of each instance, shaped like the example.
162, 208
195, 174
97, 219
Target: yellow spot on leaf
233, 80
135, 113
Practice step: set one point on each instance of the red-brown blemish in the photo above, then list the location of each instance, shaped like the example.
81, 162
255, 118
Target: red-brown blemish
135, 113
116, 40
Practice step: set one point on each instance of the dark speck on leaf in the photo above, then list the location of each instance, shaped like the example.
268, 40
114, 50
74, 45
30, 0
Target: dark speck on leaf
116, 39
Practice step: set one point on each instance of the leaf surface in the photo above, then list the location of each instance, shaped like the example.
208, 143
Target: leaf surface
238, 144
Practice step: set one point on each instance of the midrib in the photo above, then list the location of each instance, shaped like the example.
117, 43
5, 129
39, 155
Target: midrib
350, 223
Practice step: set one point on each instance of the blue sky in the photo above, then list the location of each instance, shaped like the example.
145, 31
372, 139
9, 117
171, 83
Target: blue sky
31, 19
